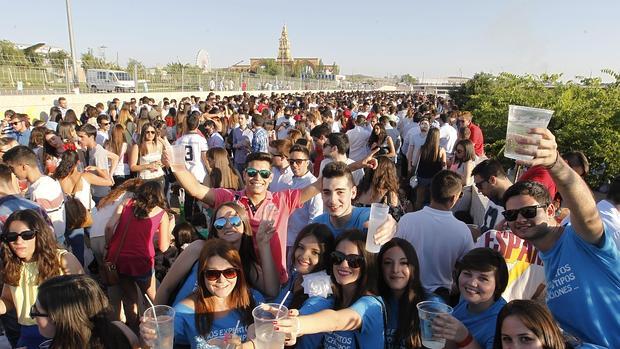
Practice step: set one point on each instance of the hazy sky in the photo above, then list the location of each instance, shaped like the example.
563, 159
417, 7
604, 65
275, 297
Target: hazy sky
422, 38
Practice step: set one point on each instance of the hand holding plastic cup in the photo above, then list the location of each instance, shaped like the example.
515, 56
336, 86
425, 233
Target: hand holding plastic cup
161, 319
177, 157
378, 215
520, 121
264, 316
427, 311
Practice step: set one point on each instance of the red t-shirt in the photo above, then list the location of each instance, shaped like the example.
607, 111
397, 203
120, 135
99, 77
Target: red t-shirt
286, 201
476, 138
541, 175
316, 166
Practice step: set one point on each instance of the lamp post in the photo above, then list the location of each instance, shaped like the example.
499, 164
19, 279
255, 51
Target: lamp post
72, 44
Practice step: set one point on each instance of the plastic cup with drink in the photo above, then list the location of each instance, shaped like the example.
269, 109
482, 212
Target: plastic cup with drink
378, 215
177, 156
520, 121
266, 336
427, 311
161, 319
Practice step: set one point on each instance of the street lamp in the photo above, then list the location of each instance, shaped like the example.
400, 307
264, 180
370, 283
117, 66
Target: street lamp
72, 43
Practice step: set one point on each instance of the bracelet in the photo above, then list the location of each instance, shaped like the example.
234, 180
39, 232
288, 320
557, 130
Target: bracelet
557, 158
465, 342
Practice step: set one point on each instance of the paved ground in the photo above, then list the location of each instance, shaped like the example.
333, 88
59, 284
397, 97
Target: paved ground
4, 343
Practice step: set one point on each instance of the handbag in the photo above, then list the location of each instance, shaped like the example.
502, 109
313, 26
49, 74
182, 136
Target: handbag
413, 181
77, 216
108, 271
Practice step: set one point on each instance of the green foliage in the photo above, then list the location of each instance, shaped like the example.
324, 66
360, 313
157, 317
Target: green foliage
134, 64
89, 61
11, 55
408, 79
57, 59
270, 67
586, 114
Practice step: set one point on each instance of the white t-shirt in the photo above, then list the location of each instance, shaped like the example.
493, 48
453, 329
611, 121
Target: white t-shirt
195, 145
440, 240
447, 137
358, 143
99, 157
48, 193
103, 215
357, 174
102, 137
282, 180
525, 267
283, 133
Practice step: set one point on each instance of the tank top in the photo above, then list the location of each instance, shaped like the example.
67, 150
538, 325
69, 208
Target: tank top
427, 168
147, 159
26, 292
84, 195
137, 255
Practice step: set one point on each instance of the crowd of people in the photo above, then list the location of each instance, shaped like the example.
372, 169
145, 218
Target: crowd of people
213, 206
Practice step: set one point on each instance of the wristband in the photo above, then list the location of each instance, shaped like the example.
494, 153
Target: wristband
465, 342
557, 158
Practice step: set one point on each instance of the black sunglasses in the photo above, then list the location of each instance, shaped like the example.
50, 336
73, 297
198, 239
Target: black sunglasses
252, 172
479, 184
213, 274
353, 260
297, 161
527, 212
14, 123
34, 312
220, 223
12, 236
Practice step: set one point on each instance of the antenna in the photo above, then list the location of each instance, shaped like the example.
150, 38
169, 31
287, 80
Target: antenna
203, 61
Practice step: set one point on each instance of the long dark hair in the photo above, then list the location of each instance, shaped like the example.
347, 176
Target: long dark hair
45, 250
325, 239
430, 148
79, 309
240, 299
383, 177
367, 282
148, 196
408, 331
380, 138
68, 160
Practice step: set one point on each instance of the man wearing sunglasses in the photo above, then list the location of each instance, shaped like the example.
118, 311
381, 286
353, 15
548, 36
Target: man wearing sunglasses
282, 174
254, 197
103, 133
95, 155
21, 132
581, 261
335, 149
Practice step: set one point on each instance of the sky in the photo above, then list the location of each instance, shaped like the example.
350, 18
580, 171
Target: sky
430, 39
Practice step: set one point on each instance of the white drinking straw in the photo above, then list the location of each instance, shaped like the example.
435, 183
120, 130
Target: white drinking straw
234, 332
282, 303
154, 314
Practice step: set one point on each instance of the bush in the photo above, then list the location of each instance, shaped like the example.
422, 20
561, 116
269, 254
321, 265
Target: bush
586, 117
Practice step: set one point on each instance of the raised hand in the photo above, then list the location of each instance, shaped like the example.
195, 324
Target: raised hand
547, 152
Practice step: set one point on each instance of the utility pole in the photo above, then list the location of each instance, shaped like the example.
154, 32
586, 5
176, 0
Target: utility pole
72, 44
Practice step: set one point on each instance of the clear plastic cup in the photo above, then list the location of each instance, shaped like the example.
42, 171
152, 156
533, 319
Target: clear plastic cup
520, 121
161, 319
264, 315
378, 215
177, 156
427, 311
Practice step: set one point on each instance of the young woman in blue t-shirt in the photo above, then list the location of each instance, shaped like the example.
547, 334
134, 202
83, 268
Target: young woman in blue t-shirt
401, 288
358, 318
311, 254
482, 276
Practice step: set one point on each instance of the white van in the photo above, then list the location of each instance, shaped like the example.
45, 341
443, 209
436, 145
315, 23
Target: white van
109, 80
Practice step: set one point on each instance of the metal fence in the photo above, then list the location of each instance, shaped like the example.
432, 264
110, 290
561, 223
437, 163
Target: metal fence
50, 77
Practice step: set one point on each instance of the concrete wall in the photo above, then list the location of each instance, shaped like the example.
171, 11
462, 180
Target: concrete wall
34, 105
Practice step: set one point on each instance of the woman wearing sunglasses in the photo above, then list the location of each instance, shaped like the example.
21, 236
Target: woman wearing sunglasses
311, 254
358, 318
401, 288
221, 300
72, 310
30, 255
482, 276
145, 155
230, 222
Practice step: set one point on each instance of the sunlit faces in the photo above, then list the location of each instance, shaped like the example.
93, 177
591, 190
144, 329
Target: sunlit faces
18, 124
84, 140
515, 335
257, 184
337, 195
276, 157
307, 254
298, 163
343, 273
477, 287
45, 324
229, 232
150, 133
23, 249
529, 228
376, 129
424, 126
484, 187
222, 286
460, 151
396, 269
54, 141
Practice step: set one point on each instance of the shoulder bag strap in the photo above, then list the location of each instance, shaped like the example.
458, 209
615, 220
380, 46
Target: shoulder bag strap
120, 247
415, 173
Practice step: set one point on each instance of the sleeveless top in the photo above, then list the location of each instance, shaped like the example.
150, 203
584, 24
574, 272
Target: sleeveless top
84, 195
137, 255
148, 158
26, 292
427, 168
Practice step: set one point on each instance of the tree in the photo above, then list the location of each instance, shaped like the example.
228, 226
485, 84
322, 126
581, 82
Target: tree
586, 114
11, 55
135, 65
89, 61
408, 79
57, 58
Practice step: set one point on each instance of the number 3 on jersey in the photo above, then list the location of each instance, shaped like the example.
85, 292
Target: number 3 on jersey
189, 153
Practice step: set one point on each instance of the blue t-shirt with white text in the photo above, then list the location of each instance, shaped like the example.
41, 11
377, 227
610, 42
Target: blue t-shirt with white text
480, 325
371, 333
359, 216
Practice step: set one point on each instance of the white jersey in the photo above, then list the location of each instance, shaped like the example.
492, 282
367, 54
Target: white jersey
194, 144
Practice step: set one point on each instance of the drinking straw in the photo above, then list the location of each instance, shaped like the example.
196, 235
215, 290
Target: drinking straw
282, 303
234, 332
154, 314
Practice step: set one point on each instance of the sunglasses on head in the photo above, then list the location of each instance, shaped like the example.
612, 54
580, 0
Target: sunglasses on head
12, 236
353, 260
252, 172
213, 274
220, 223
527, 212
